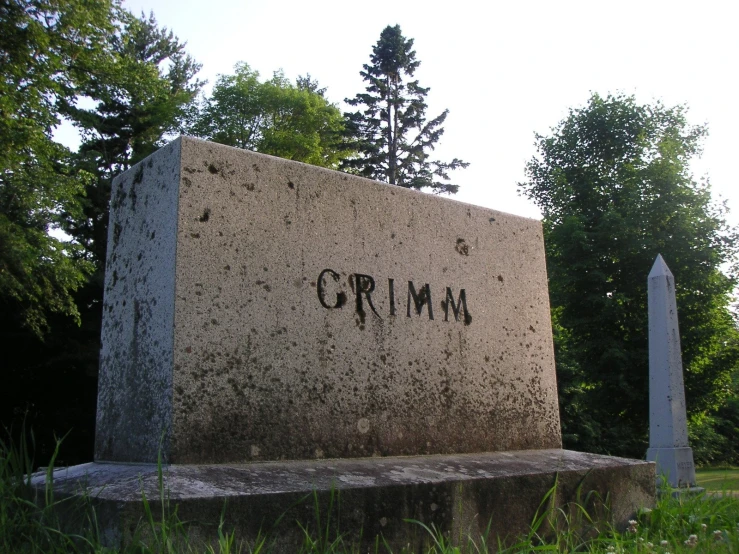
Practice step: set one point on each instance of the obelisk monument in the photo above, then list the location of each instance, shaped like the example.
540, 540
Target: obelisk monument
668, 429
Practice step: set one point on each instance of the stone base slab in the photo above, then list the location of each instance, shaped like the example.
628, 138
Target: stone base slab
365, 498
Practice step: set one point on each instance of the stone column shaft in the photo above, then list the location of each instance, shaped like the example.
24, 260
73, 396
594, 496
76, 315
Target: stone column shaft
668, 429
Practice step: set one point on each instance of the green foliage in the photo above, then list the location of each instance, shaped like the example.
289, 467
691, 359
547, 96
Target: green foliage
46, 50
273, 117
613, 184
393, 136
140, 92
125, 83
713, 435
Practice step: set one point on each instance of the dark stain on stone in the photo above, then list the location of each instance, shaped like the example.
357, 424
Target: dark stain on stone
531, 328
249, 186
116, 233
492, 219
500, 278
153, 234
139, 175
255, 167
133, 198
120, 197
195, 235
290, 184
213, 169
205, 217
462, 247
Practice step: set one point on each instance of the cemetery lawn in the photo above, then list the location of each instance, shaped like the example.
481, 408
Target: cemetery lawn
718, 479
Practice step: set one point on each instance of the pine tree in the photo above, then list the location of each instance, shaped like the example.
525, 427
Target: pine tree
392, 134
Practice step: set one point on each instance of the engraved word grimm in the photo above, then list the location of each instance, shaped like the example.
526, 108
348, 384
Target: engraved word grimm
363, 286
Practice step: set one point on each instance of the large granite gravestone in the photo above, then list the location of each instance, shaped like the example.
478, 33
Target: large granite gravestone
347, 334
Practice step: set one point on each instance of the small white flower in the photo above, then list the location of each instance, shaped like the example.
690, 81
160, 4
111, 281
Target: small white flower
663, 543
704, 526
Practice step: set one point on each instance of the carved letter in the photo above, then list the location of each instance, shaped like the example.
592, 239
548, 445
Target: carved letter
364, 284
419, 299
340, 296
391, 293
462, 300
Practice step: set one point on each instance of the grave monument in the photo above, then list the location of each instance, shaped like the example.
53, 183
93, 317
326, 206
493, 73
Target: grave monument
274, 330
668, 424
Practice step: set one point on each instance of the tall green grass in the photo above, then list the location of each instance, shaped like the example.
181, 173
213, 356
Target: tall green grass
31, 522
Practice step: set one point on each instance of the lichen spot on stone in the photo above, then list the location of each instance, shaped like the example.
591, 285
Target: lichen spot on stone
363, 425
254, 451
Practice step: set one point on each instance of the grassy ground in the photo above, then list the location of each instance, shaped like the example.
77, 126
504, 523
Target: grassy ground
719, 479
678, 524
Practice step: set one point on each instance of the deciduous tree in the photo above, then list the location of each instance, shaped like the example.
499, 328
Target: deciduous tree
46, 51
125, 83
274, 117
615, 189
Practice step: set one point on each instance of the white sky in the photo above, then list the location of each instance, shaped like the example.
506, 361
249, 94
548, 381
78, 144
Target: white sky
505, 70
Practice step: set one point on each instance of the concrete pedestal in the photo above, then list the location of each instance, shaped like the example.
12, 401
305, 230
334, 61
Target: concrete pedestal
366, 498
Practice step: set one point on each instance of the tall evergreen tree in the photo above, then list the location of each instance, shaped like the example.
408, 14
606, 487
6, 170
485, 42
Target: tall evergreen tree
615, 190
392, 134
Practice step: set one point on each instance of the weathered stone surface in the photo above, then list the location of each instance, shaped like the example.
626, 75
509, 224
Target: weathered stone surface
459, 494
668, 427
260, 309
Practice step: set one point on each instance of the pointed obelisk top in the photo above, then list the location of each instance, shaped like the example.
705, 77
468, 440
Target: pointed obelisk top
660, 269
